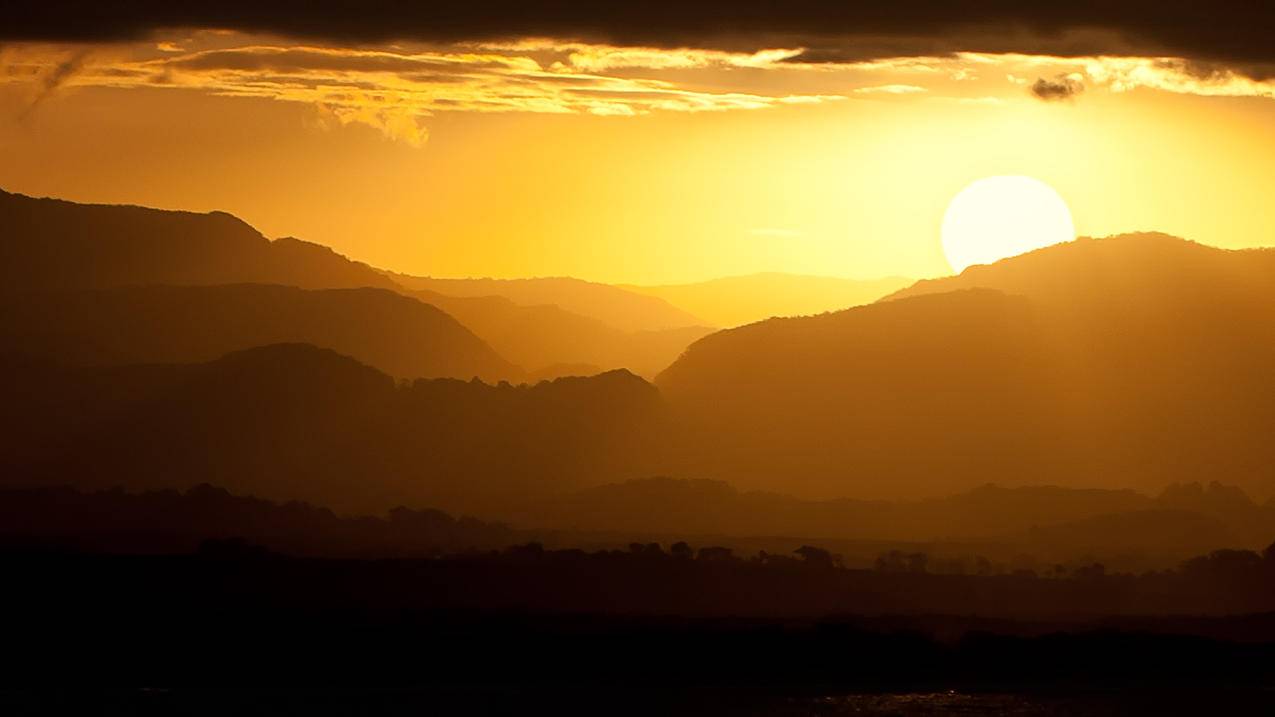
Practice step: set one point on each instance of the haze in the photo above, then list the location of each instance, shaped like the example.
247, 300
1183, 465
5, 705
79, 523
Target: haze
712, 357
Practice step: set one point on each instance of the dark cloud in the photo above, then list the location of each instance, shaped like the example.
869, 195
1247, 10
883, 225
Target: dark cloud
1232, 33
291, 60
1061, 87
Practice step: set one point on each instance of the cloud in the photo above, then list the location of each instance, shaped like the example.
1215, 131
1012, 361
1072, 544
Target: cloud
1167, 74
1062, 87
1232, 33
891, 90
395, 90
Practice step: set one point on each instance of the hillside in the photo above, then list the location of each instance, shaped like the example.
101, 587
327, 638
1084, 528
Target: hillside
191, 324
1037, 524
55, 244
205, 518
1126, 362
738, 300
614, 306
51, 245
1148, 272
294, 422
547, 336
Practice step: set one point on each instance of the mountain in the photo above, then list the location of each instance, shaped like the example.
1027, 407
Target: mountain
52, 245
1030, 526
619, 308
709, 507
190, 324
1126, 362
1149, 273
739, 300
55, 244
542, 337
295, 422
205, 517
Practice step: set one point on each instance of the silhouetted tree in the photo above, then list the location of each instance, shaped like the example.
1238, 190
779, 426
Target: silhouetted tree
715, 553
530, 550
891, 562
652, 550
681, 550
815, 557
1223, 563
917, 562
1093, 571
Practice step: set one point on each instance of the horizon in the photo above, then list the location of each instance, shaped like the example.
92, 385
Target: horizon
644, 164
703, 280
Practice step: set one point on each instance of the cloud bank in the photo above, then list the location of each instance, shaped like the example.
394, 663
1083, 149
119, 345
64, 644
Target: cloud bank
395, 90
1233, 33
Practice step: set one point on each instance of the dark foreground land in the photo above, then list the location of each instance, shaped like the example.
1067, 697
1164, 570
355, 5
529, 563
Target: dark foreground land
594, 700
480, 634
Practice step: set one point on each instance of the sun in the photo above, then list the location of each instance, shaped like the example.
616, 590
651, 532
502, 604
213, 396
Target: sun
998, 217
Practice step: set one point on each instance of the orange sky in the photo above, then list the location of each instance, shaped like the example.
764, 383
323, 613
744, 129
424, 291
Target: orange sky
627, 164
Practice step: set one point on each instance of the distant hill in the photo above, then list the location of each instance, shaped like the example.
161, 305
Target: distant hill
190, 324
294, 422
1129, 362
739, 300
709, 507
541, 337
622, 309
1148, 272
204, 518
55, 244
1040, 525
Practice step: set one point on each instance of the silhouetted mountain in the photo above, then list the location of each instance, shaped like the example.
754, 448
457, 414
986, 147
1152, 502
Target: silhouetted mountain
51, 245
537, 337
1146, 273
174, 522
1175, 532
55, 244
624, 310
166, 324
1126, 362
295, 422
913, 398
1049, 523
563, 370
739, 300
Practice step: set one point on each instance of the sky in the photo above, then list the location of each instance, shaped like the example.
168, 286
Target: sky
640, 149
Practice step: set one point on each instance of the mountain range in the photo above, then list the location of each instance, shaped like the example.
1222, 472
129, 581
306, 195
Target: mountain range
1131, 361
615, 306
738, 300
292, 421
191, 324
158, 350
543, 327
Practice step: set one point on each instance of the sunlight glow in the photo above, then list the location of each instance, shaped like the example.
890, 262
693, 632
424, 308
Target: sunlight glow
998, 217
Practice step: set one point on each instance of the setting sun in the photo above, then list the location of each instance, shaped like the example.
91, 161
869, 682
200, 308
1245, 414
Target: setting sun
999, 217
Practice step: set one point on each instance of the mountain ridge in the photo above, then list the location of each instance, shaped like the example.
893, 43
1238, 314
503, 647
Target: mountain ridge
191, 324
737, 300
1150, 370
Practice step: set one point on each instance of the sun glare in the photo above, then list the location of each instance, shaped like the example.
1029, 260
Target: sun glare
998, 217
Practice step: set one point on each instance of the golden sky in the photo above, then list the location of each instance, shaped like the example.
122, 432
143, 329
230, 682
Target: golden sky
538, 157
